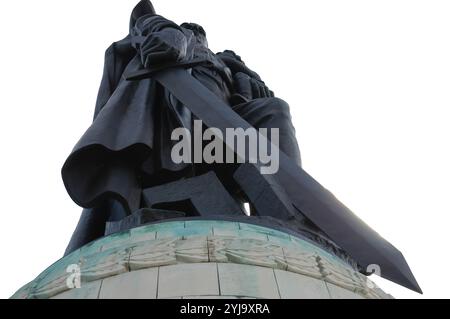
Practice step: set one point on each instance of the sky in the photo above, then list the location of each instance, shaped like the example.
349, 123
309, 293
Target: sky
367, 82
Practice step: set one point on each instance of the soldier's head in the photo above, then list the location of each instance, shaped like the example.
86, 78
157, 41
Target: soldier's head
198, 31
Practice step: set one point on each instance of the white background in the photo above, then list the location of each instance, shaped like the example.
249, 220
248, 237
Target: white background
367, 82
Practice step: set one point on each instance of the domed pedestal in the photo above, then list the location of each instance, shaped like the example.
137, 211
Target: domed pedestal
201, 259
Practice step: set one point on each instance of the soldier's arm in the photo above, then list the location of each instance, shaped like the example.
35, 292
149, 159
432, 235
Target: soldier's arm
161, 41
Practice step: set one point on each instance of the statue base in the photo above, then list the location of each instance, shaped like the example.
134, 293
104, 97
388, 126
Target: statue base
201, 259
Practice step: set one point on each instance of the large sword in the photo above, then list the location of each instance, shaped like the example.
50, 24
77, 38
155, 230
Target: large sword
362, 243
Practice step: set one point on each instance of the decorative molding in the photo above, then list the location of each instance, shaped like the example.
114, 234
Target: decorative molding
296, 256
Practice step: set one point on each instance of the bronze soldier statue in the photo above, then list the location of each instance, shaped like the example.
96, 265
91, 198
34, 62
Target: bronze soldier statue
162, 76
